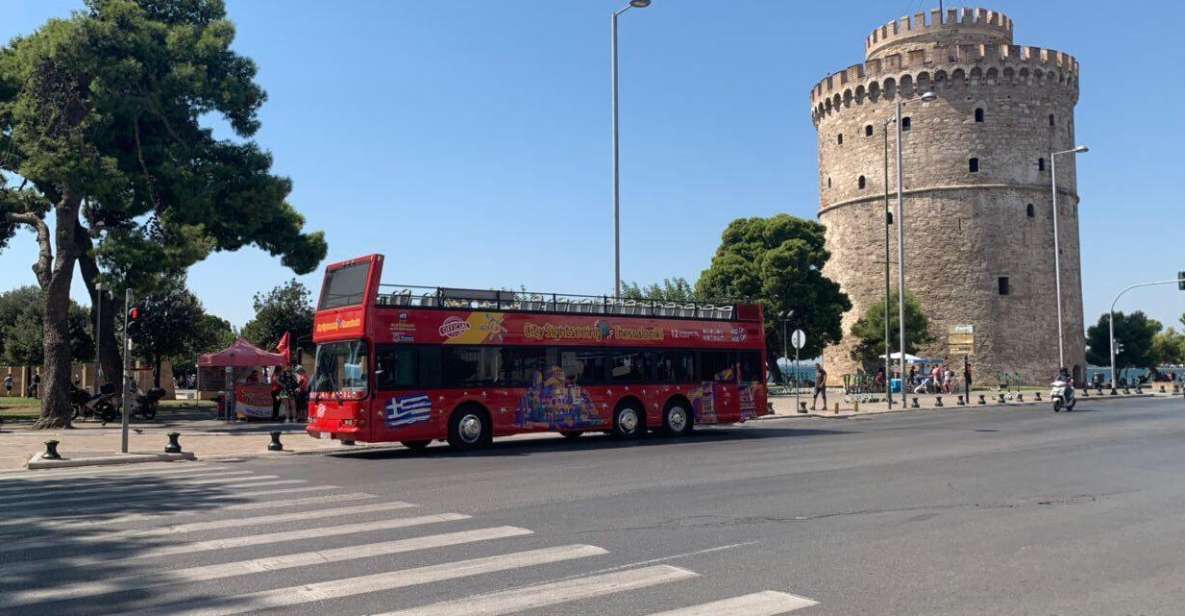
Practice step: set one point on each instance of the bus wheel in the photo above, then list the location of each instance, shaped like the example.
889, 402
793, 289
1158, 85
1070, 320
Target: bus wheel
571, 435
627, 422
417, 445
676, 421
469, 428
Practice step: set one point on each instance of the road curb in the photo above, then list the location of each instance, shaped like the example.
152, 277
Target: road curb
38, 461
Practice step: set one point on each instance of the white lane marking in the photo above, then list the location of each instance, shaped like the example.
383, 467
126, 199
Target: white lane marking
134, 470
259, 565
86, 509
552, 593
348, 587
88, 520
98, 484
177, 491
663, 559
766, 603
193, 527
234, 542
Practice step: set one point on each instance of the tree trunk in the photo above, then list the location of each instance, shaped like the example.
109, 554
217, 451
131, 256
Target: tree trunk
55, 282
156, 361
110, 361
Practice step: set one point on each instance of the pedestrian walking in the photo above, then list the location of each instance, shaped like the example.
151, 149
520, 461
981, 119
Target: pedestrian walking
820, 386
948, 379
967, 378
8, 384
35, 386
277, 387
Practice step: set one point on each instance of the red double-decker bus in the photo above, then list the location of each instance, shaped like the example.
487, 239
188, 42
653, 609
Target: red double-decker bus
416, 364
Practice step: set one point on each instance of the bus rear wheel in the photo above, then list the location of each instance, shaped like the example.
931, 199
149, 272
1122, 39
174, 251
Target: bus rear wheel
416, 445
676, 420
469, 428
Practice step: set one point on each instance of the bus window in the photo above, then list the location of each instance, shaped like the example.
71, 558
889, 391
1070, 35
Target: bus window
629, 367
583, 366
683, 365
470, 366
751, 369
406, 367
344, 287
717, 366
341, 366
521, 364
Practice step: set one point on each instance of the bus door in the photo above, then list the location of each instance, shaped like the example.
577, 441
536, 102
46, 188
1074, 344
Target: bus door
718, 378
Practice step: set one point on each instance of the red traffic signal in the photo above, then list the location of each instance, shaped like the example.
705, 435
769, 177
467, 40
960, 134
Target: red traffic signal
134, 313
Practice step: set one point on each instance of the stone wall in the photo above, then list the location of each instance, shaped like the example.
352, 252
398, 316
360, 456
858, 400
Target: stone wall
964, 230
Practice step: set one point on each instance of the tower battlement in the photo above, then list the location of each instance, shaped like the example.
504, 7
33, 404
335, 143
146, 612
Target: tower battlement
968, 25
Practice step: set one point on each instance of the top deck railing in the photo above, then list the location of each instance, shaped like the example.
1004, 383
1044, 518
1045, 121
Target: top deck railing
412, 296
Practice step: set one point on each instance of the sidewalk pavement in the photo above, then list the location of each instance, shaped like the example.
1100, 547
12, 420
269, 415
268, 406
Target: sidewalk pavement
840, 406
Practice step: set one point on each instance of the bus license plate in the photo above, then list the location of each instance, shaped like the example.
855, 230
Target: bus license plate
325, 436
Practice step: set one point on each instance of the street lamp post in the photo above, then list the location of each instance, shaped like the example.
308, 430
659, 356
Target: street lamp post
98, 335
925, 97
637, 4
888, 221
1057, 258
1111, 315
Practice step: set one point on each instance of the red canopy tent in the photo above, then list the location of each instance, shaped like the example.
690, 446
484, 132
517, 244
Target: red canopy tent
241, 354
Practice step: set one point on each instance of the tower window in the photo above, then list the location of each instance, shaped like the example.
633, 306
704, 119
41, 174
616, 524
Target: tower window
862, 182
979, 114
868, 131
1029, 211
1040, 164
1051, 122
905, 123
839, 139
829, 182
973, 165
1003, 286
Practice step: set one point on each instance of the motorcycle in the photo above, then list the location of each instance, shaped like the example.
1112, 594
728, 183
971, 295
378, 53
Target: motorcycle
91, 406
146, 404
1062, 396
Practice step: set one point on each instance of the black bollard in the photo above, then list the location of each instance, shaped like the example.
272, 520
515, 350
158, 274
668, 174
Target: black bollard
51, 451
982, 400
1002, 400
914, 403
1020, 397
1126, 391
1139, 390
1113, 392
174, 445
275, 444
801, 407
962, 402
937, 400
1162, 390
1038, 394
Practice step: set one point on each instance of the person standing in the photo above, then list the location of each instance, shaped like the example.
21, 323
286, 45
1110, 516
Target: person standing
35, 386
820, 386
967, 378
277, 374
8, 384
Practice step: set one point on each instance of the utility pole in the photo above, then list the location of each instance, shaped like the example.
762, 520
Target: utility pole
127, 356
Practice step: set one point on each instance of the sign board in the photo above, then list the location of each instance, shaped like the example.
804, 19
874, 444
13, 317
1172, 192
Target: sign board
960, 340
798, 339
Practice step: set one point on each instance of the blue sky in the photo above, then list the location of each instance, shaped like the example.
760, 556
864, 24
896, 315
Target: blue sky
468, 140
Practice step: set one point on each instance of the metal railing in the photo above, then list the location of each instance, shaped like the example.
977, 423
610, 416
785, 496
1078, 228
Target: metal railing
413, 296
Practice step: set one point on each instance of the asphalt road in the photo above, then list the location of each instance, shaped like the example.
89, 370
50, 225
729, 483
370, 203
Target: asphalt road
970, 511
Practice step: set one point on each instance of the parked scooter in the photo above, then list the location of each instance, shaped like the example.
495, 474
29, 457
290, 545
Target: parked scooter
1062, 395
146, 404
99, 406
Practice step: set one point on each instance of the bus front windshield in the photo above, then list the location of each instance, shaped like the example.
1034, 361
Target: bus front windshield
341, 367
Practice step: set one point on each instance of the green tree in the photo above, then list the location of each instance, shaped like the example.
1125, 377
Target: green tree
1134, 332
287, 308
167, 326
1168, 347
21, 335
100, 129
869, 331
778, 262
671, 290
211, 333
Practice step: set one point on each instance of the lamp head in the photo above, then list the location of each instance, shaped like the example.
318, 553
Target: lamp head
928, 97
639, 4
1081, 149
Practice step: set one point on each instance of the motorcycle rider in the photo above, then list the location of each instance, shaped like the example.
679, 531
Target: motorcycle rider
1063, 375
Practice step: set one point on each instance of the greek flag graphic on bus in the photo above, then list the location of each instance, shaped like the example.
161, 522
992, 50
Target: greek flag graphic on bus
408, 410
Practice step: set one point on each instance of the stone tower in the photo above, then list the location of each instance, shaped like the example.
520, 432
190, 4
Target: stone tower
978, 199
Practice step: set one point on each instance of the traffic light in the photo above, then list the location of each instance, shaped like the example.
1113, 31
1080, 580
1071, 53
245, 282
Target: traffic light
135, 317
1181, 280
